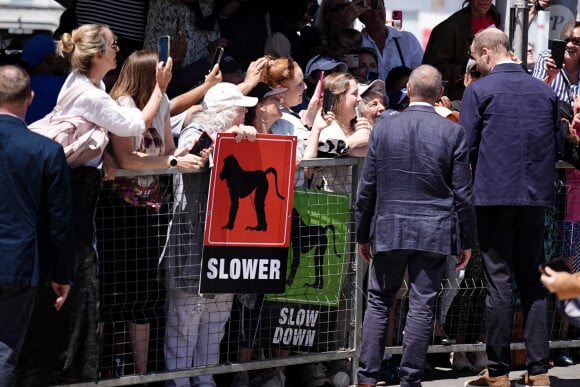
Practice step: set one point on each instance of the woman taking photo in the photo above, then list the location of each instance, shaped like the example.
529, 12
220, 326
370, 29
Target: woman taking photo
338, 132
132, 212
92, 50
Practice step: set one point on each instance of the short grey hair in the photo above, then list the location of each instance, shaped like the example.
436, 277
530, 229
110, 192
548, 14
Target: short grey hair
425, 82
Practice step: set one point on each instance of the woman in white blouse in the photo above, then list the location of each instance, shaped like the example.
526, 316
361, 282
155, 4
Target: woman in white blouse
92, 50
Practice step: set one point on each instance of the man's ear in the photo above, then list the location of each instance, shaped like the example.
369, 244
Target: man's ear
409, 91
30, 98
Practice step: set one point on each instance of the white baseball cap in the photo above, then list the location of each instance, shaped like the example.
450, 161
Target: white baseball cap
225, 95
377, 86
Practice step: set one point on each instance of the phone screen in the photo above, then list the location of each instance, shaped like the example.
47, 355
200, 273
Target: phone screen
445, 85
203, 142
164, 48
327, 100
217, 57
558, 48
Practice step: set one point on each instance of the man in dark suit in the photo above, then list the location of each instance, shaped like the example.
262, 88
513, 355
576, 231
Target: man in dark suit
511, 120
36, 241
415, 206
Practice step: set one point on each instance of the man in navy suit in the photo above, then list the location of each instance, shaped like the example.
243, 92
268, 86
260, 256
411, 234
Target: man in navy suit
512, 123
414, 206
36, 240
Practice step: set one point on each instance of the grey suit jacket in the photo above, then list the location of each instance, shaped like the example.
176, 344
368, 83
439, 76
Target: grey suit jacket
416, 191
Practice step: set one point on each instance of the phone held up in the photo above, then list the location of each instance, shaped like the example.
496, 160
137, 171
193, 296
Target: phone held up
164, 46
217, 57
321, 82
203, 142
445, 85
558, 48
327, 101
397, 17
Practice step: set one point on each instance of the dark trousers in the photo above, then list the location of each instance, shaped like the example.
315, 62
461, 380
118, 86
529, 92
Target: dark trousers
511, 239
386, 274
16, 304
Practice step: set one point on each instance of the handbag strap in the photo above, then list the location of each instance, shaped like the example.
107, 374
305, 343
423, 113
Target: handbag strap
400, 52
70, 95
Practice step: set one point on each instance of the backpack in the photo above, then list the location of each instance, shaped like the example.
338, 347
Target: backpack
81, 140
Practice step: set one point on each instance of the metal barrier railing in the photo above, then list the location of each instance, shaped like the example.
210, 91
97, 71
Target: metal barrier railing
460, 303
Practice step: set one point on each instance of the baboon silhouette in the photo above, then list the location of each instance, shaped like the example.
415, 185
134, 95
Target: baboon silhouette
304, 238
242, 183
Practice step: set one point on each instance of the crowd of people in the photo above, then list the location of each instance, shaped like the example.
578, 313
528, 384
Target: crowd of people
485, 147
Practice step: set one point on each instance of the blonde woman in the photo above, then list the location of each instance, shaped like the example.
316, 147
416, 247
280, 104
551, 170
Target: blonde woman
92, 50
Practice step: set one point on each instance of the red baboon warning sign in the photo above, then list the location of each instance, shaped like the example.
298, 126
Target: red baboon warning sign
247, 232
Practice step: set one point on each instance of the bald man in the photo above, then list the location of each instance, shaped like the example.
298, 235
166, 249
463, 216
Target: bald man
406, 222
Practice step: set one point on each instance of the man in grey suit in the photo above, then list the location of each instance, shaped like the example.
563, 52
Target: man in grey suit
414, 206
512, 123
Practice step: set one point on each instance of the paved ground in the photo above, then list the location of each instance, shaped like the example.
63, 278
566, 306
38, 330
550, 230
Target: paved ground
559, 377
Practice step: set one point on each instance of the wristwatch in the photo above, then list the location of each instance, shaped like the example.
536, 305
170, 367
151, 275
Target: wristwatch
172, 162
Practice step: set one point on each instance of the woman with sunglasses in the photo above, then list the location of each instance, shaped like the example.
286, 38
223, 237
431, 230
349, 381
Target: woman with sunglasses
565, 80
91, 50
566, 83
133, 209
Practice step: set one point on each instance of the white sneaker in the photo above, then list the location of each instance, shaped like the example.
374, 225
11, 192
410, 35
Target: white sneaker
459, 361
339, 379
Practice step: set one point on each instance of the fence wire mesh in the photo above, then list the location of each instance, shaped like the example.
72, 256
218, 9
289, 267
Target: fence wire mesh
155, 327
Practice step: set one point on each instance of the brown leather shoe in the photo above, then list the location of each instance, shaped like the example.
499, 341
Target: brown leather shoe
366, 385
484, 379
540, 380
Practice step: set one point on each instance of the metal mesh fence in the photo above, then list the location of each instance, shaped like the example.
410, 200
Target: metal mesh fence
154, 327
154, 324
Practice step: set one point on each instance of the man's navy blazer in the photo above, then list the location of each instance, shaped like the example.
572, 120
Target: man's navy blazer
415, 191
513, 128
36, 223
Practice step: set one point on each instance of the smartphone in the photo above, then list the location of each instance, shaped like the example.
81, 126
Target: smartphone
164, 43
397, 17
358, 110
203, 142
327, 100
445, 85
321, 82
556, 265
558, 48
217, 57
372, 75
